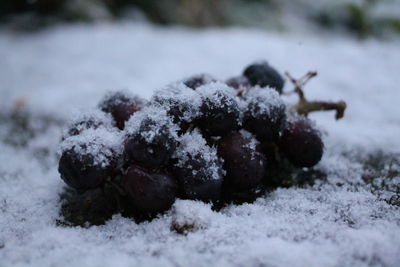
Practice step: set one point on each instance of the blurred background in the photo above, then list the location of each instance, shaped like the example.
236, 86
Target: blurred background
359, 18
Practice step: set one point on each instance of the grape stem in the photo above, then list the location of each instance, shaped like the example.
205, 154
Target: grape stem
304, 106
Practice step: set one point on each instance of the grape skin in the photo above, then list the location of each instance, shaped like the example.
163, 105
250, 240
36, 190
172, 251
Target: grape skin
150, 191
80, 172
263, 74
265, 114
301, 142
198, 80
244, 166
220, 114
121, 106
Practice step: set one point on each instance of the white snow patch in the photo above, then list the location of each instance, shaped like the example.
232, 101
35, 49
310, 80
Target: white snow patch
191, 215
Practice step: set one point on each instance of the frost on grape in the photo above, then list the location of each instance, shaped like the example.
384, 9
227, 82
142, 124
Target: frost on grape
194, 146
178, 98
251, 143
151, 122
264, 102
87, 119
310, 125
195, 81
218, 93
101, 144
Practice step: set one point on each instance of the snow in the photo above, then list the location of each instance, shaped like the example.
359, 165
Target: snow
190, 216
336, 222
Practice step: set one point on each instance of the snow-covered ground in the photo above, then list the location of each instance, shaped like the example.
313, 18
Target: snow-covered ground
338, 222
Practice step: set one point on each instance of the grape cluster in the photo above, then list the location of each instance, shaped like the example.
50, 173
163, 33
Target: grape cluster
198, 138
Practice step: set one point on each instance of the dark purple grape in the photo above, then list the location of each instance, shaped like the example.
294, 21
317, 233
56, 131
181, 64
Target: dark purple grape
149, 191
90, 120
90, 157
244, 165
151, 138
195, 182
198, 169
239, 82
220, 112
198, 80
154, 153
121, 106
301, 142
82, 172
180, 102
265, 114
263, 74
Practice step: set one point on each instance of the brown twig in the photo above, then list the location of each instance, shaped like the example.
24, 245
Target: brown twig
305, 107
311, 106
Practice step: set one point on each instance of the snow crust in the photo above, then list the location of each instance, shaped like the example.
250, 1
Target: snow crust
336, 222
